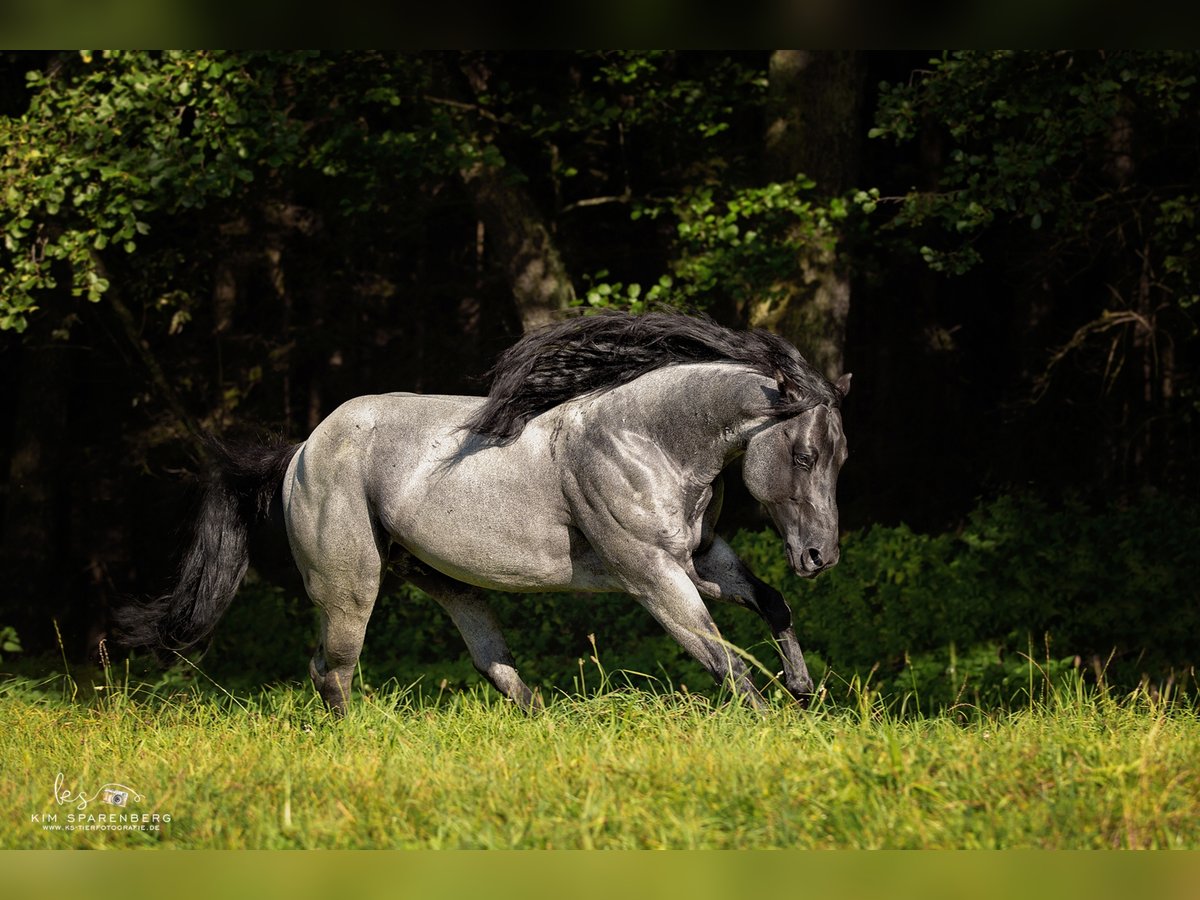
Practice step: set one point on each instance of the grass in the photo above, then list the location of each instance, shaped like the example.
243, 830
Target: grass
1080, 768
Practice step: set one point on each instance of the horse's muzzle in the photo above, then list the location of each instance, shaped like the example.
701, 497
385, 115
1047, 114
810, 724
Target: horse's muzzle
811, 560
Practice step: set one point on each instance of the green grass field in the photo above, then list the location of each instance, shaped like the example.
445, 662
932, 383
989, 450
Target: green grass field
618, 769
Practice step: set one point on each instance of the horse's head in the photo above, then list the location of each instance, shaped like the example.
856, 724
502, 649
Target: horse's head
792, 467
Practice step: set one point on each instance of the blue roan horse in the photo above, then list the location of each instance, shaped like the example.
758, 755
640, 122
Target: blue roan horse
594, 464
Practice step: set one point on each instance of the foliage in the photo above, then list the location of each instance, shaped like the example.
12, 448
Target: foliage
118, 143
1080, 168
945, 618
9, 641
742, 243
676, 115
1035, 138
959, 615
115, 145
111, 141
728, 234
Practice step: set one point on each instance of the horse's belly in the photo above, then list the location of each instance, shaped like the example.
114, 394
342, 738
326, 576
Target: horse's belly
515, 542
507, 565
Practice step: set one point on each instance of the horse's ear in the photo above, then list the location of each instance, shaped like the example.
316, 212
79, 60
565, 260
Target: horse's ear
843, 384
789, 391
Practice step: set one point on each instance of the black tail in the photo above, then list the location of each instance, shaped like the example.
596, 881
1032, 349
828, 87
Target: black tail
241, 484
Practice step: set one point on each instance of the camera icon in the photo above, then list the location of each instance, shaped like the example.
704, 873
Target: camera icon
116, 798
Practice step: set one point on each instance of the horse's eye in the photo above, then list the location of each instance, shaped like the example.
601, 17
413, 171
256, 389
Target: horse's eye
802, 460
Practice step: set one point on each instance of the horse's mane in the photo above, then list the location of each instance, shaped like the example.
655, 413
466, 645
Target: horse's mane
569, 359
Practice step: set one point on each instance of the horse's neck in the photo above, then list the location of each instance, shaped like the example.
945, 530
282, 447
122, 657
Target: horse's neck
700, 413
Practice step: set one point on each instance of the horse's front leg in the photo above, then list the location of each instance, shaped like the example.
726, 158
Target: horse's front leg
723, 576
663, 586
628, 516
678, 607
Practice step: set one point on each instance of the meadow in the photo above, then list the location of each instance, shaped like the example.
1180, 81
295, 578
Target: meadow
1073, 767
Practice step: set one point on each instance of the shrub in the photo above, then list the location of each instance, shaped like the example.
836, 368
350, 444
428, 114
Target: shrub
953, 616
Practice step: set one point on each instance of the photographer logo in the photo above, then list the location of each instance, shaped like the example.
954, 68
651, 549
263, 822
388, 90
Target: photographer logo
81, 810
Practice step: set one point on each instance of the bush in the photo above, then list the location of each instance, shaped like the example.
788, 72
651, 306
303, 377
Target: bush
1020, 590
1068, 586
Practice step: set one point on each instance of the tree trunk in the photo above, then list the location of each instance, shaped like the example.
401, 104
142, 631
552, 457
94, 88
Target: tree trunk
517, 236
814, 106
520, 243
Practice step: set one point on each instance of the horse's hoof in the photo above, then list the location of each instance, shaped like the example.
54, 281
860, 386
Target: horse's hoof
802, 693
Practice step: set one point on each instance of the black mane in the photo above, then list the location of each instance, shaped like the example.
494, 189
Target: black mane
576, 357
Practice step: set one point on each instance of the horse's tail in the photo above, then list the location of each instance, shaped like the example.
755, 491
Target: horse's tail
242, 481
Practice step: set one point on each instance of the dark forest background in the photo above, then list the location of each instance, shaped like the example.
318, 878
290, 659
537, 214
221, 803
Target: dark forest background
1001, 246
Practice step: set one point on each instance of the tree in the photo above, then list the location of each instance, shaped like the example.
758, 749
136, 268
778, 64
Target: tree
220, 241
757, 220
1082, 165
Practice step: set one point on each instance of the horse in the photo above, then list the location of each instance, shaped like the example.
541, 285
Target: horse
593, 464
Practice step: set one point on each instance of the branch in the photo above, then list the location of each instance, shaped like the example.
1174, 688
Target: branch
598, 201
1107, 321
157, 378
458, 104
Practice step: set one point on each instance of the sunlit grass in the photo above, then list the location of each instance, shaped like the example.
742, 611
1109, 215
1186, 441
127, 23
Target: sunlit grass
617, 768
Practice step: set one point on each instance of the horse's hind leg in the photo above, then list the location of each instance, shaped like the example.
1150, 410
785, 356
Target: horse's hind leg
477, 622
341, 557
723, 576
345, 598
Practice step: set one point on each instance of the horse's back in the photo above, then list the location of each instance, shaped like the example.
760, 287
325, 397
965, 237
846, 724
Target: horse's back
347, 438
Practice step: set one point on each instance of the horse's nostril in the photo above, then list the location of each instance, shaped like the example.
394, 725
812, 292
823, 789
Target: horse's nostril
815, 555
